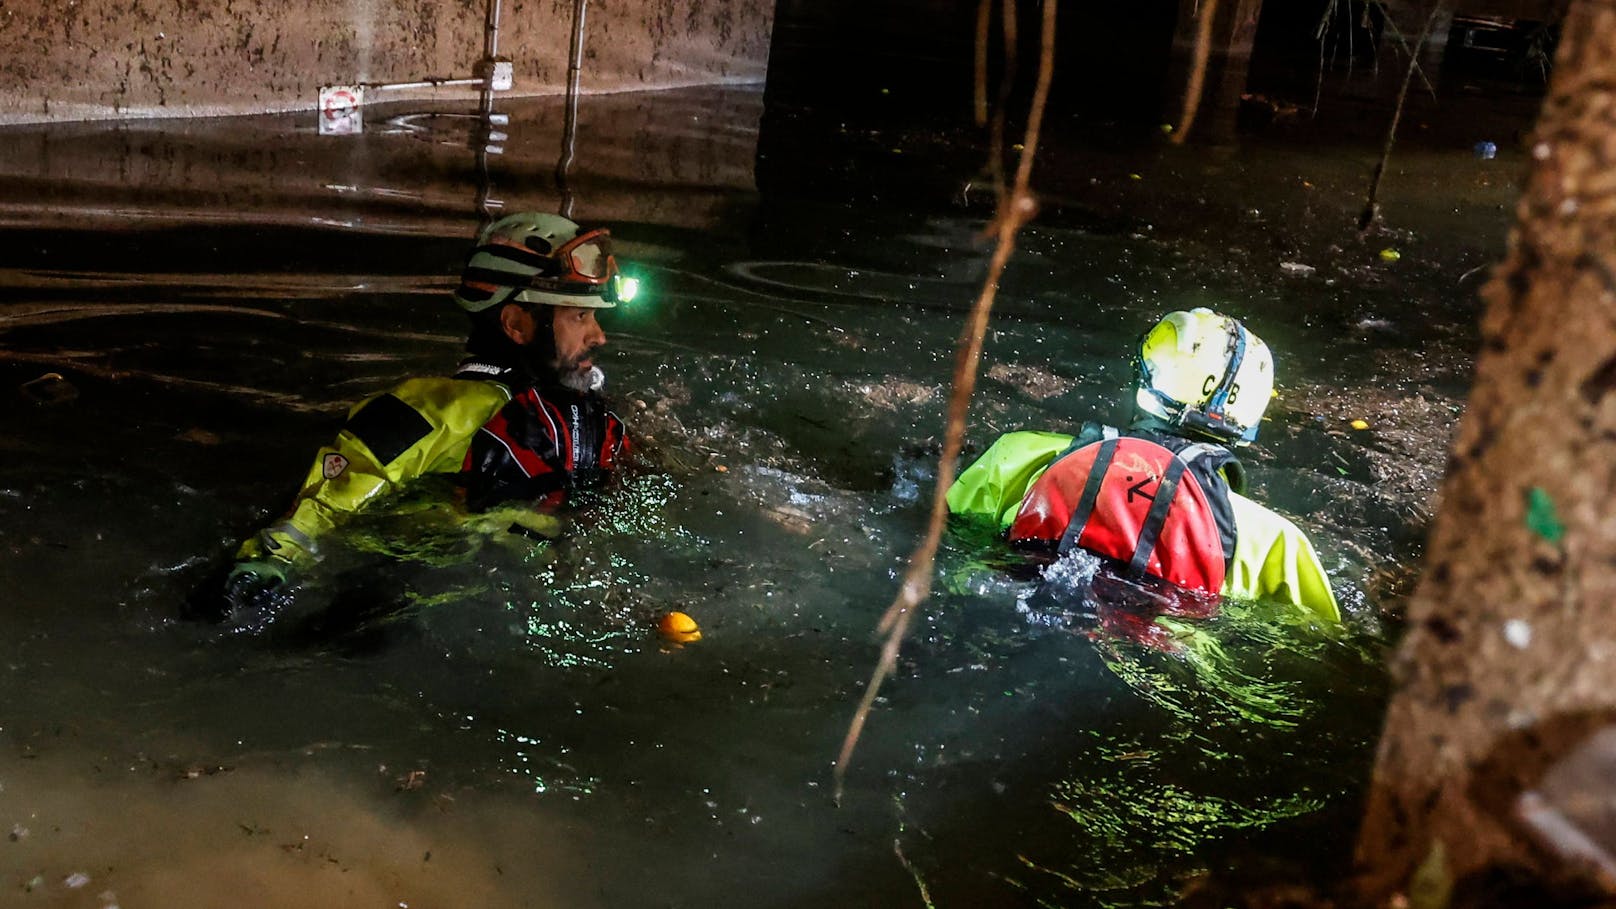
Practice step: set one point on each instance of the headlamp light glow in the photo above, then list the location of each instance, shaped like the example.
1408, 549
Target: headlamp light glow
624, 288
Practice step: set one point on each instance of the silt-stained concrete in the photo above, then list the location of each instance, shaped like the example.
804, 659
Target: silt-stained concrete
94, 59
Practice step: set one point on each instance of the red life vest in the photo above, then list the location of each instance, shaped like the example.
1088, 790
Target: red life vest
1156, 503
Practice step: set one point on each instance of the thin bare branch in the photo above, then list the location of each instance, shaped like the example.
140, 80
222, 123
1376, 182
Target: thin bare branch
1322, 33
1013, 212
984, 16
1007, 83
1413, 54
1197, 80
1351, 27
1370, 216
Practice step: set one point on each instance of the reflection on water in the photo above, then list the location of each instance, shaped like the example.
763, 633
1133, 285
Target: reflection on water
460, 715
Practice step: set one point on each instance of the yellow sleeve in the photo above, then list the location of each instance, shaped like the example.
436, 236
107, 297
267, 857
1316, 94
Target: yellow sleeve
1273, 560
996, 483
423, 426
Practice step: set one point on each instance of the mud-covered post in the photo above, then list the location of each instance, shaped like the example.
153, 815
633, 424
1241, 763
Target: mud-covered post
1510, 655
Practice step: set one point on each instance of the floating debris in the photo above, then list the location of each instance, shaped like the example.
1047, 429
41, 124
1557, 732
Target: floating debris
1038, 384
196, 435
50, 388
679, 628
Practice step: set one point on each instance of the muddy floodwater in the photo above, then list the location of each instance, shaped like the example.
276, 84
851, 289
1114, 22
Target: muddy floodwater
459, 717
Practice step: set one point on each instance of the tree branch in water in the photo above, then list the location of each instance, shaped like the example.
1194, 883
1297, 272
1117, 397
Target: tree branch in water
1015, 210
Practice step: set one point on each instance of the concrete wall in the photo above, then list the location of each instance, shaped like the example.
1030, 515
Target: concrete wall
91, 59
676, 158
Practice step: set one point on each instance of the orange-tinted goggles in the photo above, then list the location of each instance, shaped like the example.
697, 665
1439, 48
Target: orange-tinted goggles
587, 258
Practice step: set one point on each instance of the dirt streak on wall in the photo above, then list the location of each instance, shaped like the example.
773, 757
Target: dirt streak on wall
93, 59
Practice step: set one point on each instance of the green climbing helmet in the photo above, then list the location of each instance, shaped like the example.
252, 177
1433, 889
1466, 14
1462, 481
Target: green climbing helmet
532, 257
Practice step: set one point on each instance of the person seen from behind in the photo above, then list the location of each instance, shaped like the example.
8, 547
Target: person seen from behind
1162, 500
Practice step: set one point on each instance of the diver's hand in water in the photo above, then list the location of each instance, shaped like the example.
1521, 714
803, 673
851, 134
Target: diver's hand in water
255, 591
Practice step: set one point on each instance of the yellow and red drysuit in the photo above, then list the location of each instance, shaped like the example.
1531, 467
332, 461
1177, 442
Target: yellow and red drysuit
505, 438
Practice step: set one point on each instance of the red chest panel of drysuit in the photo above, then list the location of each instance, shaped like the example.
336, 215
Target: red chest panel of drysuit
1188, 548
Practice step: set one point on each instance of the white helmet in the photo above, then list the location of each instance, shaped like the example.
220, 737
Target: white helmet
1206, 373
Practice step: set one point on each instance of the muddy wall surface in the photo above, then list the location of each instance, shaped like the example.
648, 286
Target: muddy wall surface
91, 59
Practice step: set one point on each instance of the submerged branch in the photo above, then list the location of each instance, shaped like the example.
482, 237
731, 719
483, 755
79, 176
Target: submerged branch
1014, 211
920, 882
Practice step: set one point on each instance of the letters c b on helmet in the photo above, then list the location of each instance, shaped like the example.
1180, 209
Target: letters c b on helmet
532, 257
1206, 373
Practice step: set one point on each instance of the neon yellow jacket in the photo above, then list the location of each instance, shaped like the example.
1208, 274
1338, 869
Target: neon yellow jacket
1273, 559
422, 426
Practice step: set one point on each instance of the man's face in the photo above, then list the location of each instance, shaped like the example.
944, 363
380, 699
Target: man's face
577, 334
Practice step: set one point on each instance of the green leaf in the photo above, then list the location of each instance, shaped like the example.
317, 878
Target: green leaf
1541, 518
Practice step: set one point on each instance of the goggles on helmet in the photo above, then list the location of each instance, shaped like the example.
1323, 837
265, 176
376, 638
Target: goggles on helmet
587, 258
581, 272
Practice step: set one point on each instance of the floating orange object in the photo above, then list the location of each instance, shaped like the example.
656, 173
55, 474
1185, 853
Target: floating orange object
679, 628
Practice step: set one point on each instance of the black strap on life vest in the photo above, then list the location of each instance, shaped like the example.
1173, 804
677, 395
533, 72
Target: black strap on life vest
1156, 517
1091, 494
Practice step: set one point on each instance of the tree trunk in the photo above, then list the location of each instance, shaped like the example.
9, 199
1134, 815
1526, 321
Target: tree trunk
1510, 656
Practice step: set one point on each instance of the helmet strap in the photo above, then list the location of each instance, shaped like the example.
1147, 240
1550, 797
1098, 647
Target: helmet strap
1237, 356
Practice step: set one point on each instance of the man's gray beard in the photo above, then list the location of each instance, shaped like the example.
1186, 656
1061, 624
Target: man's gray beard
584, 381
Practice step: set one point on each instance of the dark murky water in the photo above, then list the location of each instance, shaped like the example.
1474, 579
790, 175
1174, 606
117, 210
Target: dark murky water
501, 725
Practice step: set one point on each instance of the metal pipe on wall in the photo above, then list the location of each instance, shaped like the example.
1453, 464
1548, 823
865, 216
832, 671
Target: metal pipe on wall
484, 142
491, 31
569, 132
490, 51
